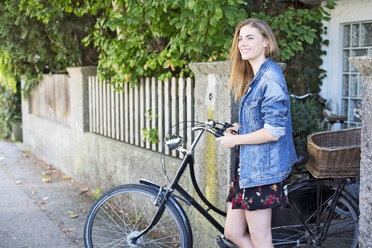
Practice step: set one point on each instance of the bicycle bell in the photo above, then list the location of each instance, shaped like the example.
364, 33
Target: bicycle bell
173, 142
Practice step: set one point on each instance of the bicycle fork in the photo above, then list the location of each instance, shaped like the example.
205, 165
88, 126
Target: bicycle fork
160, 201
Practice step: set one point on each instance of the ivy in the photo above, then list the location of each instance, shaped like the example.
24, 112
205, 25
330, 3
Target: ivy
295, 28
305, 120
129, 39
8, 74
150, 134
160, 38
10, 98
42, 37
143, 38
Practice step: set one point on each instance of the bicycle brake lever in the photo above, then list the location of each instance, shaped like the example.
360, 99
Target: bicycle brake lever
227, 125
217, 134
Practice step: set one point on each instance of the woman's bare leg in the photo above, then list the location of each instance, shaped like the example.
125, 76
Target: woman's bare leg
236, 227
259, 223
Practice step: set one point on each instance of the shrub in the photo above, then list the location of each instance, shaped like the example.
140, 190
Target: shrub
10, 110
306, 117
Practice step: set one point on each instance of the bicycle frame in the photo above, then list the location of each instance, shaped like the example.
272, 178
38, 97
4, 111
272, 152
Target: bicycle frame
166, 194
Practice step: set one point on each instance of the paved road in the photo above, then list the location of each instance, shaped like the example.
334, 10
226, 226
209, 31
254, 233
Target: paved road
36, 211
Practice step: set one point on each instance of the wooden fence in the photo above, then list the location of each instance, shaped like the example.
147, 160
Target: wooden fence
51, 99
153, 104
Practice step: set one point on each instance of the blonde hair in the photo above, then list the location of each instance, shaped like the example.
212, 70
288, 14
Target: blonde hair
241, 71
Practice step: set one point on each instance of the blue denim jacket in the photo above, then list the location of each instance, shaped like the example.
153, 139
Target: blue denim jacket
266, 105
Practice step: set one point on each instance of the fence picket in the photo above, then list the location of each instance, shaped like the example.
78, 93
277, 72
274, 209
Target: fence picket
160, 90
100, 104
131, 115
90, 104
148, 106
117, 113
167, 109
126, 112
122, 115
136, 119
121, 112
174, 106
182, 108
154, 108
112, 111
104, 113
141, 111
95, 108
189, 110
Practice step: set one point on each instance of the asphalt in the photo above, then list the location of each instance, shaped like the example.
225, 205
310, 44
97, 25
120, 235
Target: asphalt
39, 205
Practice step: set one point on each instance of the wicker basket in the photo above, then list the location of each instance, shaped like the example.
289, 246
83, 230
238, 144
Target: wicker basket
334, 153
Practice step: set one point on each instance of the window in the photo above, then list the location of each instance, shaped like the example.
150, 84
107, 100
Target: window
357, 41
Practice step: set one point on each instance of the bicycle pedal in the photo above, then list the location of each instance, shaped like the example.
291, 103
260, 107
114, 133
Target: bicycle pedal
223, 242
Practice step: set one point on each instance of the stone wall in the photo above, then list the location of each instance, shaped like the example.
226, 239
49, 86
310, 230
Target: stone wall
94, 160
101, 162
364, 66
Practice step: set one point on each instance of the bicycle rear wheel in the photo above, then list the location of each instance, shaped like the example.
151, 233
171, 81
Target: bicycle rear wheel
124, 211
343, 231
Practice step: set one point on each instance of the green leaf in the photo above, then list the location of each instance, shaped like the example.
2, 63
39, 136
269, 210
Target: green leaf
212, 30
308, 39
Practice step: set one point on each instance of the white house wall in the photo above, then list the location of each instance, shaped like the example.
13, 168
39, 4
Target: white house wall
346, 11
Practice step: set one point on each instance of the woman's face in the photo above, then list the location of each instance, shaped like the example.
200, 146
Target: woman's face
251, 44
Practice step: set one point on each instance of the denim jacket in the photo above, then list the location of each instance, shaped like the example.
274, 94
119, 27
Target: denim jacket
266, 105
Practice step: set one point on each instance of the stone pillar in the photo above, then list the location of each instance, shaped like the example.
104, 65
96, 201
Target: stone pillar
364, 66
212, 161
79, 99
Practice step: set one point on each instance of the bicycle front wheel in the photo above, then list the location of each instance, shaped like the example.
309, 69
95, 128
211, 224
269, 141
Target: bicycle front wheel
123, 212
343, 230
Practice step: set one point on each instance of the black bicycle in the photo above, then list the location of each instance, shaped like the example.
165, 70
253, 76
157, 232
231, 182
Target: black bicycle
319, 213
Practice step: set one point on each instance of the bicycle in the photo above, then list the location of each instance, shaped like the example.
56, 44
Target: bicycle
147, 215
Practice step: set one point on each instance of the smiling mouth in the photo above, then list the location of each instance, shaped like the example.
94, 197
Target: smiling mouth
245, 50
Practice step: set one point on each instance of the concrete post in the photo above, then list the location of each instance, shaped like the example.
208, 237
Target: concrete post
79, 119
212, 161
364, 66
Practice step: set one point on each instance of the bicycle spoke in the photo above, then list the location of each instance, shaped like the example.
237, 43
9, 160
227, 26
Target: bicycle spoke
105, 239
166, 237
337, 243
288, 234
122, 212
142, 213
343, 227
127, 212
163, 244
117, 241
113, 228
113, 210
105, 230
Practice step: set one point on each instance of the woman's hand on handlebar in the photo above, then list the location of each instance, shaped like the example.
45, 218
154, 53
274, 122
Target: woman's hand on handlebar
234, 129
228, 140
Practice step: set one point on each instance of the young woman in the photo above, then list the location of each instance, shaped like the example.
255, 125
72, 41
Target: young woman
264, 136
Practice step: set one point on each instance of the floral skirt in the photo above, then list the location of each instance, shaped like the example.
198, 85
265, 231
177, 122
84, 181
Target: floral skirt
254, 198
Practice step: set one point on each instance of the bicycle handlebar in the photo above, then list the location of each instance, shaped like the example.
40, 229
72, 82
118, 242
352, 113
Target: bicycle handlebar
217, 128
315, 96
302, 97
